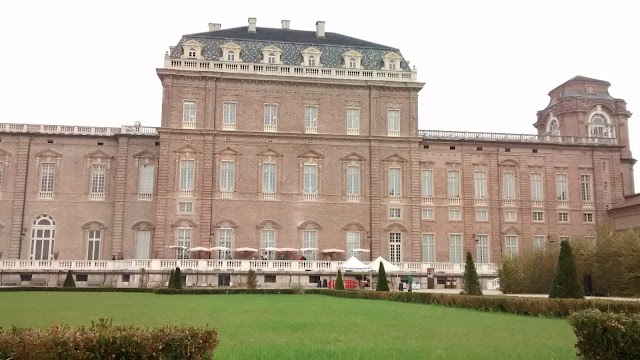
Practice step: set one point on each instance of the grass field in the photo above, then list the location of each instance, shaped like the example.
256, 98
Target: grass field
309, 326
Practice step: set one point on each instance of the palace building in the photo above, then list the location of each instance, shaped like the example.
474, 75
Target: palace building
281, 143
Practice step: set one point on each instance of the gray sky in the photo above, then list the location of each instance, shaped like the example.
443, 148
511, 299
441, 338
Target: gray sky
488, 65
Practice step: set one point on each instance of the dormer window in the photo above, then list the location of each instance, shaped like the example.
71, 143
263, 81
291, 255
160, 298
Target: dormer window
312, 60
231, 52
392, 61
231, 55
271, 58
591, 90
192, 49
353, 63
271, 55
352, 59
392, 65
311, 57
192, 53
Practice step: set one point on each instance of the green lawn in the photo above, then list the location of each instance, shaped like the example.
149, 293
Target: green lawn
309, 326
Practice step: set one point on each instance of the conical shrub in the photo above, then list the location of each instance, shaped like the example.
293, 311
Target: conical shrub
565, 283
470, 281
172, 279
339, 282
382, 284
178, 279
68, 281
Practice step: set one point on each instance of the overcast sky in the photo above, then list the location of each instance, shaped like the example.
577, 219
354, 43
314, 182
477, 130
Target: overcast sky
488, 65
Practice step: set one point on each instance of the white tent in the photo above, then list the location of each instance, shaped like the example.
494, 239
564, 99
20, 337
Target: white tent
388, 267
354, 264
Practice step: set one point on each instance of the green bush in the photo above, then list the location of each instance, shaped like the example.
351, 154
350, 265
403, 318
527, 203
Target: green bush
222, 291
382, 284
606, 335
104, 340
339, 282
252, 281
68, 281
78, 289
470, 280
177, 279
172, 279
565, 283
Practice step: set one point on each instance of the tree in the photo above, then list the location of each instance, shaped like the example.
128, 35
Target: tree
382, 284
470, 281
566, 283
68, 281
339, 282
172, 279
178, 279
252, 281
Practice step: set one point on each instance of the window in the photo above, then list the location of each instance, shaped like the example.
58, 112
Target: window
187, 173
43, 232
47, 180
563, 217
510, 215
428, 247
231, 55
453, 184
482, 215
268, 178
353, 63
93, 244
143, 244
98, 177
511, 245
353, 121
353, 242
395, 246
192, 53
536, 188
538, 242
482, 249
225, 239
455, 248
562, 190
310, 119
553, 128
509, 186
353, 183
189, 115
271, 58
538, 216
393, 120
185, 207
228, 116
585, 188
598, 126
455, 214
587, 217
394, 213
227, 176
480, 185
312, 60
310, 181
394, 182
392, 64
270, 279
268, 240
309, 241
426, 184
184, 243
428, 214
270, 117
145, 181
1, 174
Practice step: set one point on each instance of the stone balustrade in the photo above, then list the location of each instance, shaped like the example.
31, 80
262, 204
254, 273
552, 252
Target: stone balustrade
78, 130
518, 138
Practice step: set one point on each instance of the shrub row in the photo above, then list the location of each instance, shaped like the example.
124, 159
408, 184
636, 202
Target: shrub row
103, 340
508, 304
195, 291
77, 289
606, 335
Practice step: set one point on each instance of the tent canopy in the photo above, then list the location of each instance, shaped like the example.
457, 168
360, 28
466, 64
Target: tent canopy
354, 264
388, 267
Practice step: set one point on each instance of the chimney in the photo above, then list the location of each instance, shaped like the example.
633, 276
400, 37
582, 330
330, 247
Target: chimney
214, 26
320, 29
285, 24
252, 25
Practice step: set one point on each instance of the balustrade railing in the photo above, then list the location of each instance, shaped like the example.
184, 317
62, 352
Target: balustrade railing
505, 137
77, 130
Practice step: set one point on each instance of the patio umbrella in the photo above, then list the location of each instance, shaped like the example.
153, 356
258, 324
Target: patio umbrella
219, 248
177, 247
308, 249
270, 249
361, 250
199, 248
326, 251
246, 249
287, 250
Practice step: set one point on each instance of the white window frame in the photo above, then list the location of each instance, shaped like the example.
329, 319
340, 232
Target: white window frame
94, 239
509, 218
480, 184
482, 249
395, 213
426, 185
187, 177
229, 115
309, 241
269, 178
393, 122
311, 119
508, 185
586, 191
588, 218
455, 214
268, 240
310, 181
480, 217
395, 247
395, 182
42, 234
511, 245
146, 181
270, 117
428, 247
353, 183
225, 239
453, 184
353, 121
185, 207
539, 242
183, 238
455, 248
98, 182
227, 176
537, 216
562, 187
353, 242
189, 114
562, 218
537, 189
47, 180
428, 214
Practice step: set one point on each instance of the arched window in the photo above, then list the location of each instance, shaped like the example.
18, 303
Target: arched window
553, 128
43, 231
272, 58
231, 55
598, 126
353, 63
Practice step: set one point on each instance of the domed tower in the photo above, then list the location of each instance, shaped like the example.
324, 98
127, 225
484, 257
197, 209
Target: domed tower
581, 110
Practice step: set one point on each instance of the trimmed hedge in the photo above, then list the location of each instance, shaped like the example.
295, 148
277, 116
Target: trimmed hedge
103, 340
189, 291
509, 304
606, 335
77, 289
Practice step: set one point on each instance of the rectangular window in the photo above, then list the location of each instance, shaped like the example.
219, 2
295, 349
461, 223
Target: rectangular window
310, 119
453, 184
229, 116
482, 215
455, 214
309, 241
511, 215
394, 182
47, 180
393, 119
270, 117
185, 207
455, 248
184, 243
353, 121
562, 190
353, 183
538, 242
428, 247
395, 247
225, 239
268, 178
428, 214
353, 242
587, 217
585, 188
563, 217
508, 186
511, 245
394, 213
227, 176
143, 244
426, 184
482, 247
189, 115
187, 176
93, 244
480, 185
538, 216
98, 178
536, 187
268, 240
146, 173
310, 179
1, 174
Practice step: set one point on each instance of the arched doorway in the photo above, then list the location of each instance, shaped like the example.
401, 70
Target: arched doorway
43, 232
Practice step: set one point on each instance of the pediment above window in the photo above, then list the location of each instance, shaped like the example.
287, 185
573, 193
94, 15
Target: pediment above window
268, 224
192, 49
395, 158
48, 153
311, 57
352, 59
225, 223
508, 162
98, 154
228, 152
311, 154
396, 227
231, 52
185, 223
94, 225
353, 157
310, 225
186, 151
269, 154
392, 61
145, 154
511, 230
354, 226
271, 55
143, 226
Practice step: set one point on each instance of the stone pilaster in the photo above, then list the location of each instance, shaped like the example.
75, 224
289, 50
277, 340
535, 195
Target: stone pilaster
17, 219
120, 195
